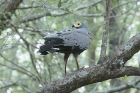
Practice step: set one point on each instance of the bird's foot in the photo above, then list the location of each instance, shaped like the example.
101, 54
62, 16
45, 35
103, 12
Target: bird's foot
80, 68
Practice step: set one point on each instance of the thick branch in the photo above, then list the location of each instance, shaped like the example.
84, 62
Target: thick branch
7, 8
126, 51
100, 72
10, 5
85, 77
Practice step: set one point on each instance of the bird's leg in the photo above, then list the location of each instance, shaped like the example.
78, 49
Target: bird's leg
75, 57
66, 56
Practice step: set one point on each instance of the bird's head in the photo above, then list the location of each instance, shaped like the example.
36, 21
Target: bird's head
79, 25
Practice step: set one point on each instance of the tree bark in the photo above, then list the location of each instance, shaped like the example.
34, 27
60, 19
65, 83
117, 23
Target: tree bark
111, 67
7, 8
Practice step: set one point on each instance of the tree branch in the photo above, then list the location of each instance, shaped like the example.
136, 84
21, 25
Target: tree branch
86, 76
100, 72
8, 85
123, 87
49, 13
10, 5
7, 8
120, 88
106, 29
117, 6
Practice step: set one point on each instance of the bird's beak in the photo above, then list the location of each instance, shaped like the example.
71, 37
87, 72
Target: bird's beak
73, 26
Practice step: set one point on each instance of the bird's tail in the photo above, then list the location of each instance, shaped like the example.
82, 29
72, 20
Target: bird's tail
46, 49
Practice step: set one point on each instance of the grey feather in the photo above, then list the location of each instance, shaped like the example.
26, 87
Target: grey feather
77, 38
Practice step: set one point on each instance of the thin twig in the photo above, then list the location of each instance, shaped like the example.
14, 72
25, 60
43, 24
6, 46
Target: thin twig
120, 88
5, 58
31, 54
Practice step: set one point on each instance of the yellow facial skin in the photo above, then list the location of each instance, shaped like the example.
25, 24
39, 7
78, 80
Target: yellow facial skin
78, 24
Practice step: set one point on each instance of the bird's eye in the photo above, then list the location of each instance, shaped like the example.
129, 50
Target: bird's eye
78, 24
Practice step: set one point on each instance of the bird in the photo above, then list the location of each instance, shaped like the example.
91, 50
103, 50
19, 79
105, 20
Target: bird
73, 41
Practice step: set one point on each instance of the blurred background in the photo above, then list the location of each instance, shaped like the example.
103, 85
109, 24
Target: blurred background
23, 70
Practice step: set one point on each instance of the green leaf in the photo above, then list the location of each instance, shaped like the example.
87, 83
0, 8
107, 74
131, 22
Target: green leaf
59, 3
113, 1
124, 78
96, 7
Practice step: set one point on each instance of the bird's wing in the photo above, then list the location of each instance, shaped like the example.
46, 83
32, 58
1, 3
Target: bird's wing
53, 42
81, 40
57, 38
